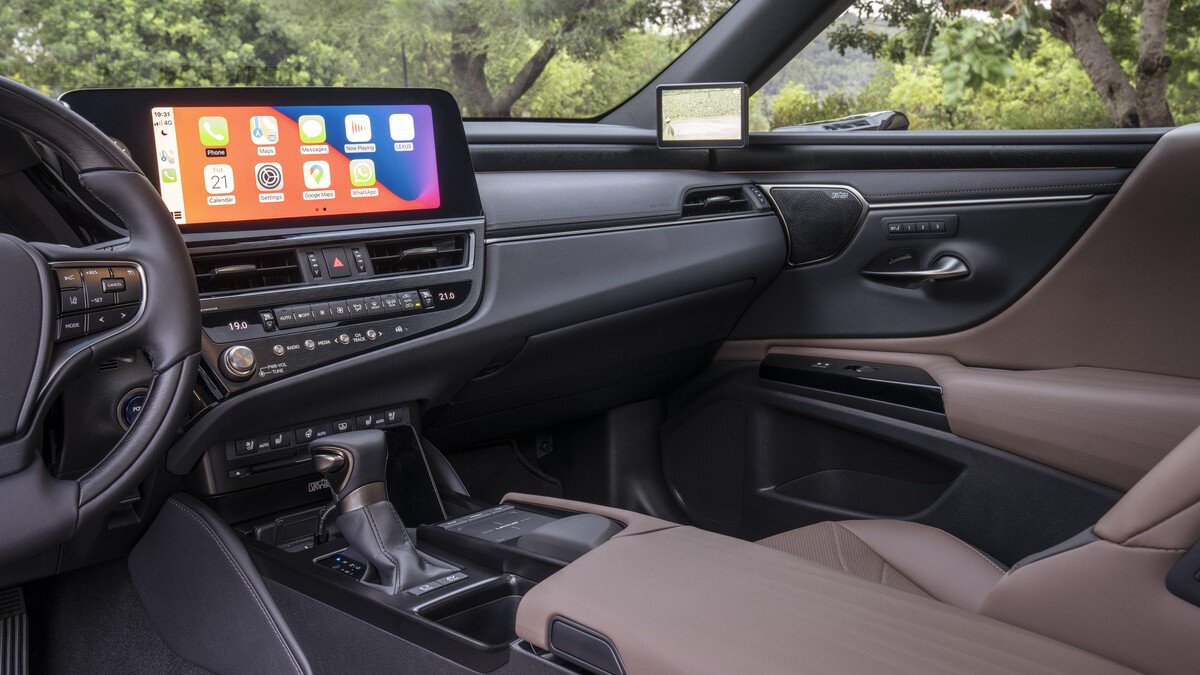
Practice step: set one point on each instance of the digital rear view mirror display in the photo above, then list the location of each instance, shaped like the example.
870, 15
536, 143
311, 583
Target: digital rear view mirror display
703, 115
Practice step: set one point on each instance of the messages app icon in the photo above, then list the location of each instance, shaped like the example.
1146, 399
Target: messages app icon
312, 129
362, 172
316, 175
214, 131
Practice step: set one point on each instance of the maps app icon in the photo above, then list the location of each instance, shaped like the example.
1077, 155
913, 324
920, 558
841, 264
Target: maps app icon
264, 130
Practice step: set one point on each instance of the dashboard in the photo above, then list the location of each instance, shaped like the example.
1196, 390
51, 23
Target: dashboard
413, 291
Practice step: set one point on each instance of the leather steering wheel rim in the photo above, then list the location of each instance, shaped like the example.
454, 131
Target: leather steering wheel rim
42, 511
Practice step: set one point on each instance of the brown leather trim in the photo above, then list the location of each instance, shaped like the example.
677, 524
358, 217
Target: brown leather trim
681, 600
1108, 426
1163, 510
635, 523
1108, 599
1123, 297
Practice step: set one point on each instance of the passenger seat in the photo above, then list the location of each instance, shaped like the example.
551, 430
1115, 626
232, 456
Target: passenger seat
1103, 590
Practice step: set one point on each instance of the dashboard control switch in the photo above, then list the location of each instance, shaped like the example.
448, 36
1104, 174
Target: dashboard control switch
237, 363
286, 317
336, 262
360, 263
267, 317
314, 265
427, 298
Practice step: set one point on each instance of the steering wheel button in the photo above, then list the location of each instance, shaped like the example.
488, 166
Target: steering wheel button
110, 318
112, 285
133, 283
68, 279
72, 301
72, 327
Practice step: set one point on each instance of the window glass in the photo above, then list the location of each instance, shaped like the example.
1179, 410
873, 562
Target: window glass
983, 64
500, 58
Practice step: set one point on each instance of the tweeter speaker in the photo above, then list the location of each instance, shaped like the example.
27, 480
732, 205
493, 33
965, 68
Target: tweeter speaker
820, 221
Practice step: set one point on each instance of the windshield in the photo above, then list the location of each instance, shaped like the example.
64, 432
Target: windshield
500, 58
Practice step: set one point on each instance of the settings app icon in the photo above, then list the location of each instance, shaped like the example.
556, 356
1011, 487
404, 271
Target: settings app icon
268, 176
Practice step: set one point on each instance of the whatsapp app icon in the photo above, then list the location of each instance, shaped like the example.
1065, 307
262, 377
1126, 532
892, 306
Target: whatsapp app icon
362, 173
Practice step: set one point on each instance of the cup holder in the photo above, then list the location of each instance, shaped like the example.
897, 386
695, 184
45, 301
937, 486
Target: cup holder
486, 615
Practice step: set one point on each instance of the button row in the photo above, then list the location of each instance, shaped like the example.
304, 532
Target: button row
338, 310
300, 436
418, 591
70, 327
917, 227
81, 289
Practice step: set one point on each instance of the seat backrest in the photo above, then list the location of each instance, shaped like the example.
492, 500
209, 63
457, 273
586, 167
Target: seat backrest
1106, 592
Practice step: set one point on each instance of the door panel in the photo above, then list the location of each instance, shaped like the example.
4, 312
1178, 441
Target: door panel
1065, 363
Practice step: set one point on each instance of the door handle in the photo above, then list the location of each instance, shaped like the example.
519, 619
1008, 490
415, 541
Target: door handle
945, 267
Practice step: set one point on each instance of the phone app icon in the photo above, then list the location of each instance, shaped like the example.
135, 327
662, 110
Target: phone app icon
169, 176
401, 127
312, 129
316, 175
218, 179
362, 172
268, 176
264, 130
358, 128
214, 131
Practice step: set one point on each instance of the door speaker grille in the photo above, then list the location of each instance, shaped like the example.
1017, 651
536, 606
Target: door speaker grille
820, 221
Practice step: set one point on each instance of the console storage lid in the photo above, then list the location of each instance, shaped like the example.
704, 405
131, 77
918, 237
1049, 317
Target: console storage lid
676, 599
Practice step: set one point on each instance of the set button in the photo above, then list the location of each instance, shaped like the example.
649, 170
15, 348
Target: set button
95, 288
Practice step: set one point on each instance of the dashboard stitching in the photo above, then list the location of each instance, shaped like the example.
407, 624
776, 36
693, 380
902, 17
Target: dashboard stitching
258, 599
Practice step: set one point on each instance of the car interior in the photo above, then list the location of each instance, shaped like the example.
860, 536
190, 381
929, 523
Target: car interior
328, 380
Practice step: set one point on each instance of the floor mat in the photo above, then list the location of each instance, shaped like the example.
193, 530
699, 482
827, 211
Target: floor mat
91, 621
493, 471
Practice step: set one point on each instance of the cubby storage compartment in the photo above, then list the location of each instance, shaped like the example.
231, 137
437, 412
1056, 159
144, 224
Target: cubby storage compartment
865, 492
487, 615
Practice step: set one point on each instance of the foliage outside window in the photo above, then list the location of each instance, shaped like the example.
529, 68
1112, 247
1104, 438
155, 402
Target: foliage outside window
997, 64
500, 58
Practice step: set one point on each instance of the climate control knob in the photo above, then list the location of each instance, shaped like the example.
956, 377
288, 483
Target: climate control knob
237, 363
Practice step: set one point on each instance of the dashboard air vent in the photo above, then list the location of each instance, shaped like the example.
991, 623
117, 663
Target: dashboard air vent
246, 271
714, 201
427, 253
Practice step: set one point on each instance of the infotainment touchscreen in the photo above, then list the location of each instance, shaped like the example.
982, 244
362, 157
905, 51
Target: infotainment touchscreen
242, 159
223, 164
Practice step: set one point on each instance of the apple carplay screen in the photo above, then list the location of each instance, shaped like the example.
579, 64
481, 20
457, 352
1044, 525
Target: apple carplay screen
272, 158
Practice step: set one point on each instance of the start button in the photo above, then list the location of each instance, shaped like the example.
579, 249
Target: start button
130, 407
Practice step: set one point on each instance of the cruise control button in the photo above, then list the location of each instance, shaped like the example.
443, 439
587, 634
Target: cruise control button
111, 318
68, 279
112, 285
72, 301
133, 284
72, 327
96, 297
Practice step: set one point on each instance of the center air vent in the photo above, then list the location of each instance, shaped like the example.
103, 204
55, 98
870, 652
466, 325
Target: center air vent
406, 255
230, 272
713, 201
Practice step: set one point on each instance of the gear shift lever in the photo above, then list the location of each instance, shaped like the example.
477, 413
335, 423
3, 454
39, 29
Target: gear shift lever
355, 464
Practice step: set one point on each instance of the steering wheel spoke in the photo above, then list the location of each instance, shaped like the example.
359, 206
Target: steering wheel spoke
68, 309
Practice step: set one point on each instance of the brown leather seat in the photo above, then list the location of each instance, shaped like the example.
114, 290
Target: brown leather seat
1103, 590
906, 556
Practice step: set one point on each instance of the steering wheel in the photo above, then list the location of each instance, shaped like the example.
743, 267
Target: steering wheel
159, 315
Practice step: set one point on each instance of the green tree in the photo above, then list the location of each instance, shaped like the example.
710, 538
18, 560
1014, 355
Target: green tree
1125, 47
57, 46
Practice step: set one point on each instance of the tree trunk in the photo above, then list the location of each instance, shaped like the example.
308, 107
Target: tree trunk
1077, 23
503, 102
1153, 67
468, 67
